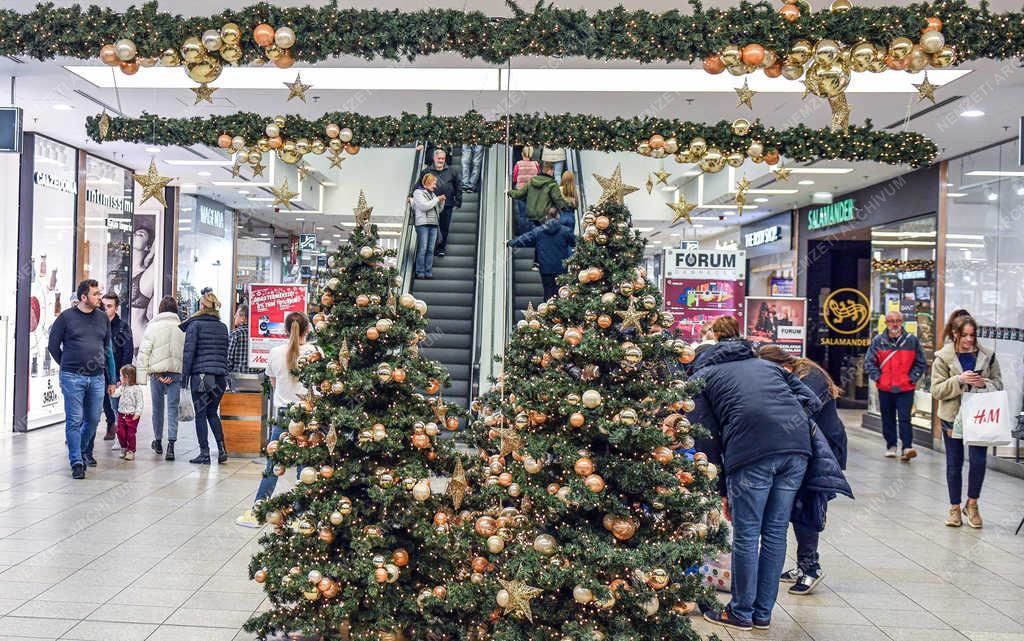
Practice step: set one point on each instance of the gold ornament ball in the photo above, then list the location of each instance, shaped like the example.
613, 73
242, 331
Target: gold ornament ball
336, 518
545, 544
945, 57
740, 126
366, 252
308, 475
839, 6
212, 40
698, 147
169, 58
826, 51
284, 37
260, 575
591, 398
735, 159
205, 70
278, 469
628, 416
900, 48
192, 50
800, 52
731, 55
658, 578
345, 134
125, 50
421, 491
495, 544
932, 41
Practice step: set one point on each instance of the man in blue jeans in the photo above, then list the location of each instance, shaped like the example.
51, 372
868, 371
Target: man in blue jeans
758, 415
895, 361
79, 342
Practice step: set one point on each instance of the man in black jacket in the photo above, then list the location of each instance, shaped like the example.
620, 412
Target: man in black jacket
449, 184
124, 350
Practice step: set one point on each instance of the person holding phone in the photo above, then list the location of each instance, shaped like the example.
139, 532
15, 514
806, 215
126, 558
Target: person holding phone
962, 366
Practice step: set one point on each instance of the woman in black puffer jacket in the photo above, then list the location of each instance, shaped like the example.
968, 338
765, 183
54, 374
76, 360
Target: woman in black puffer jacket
204, 371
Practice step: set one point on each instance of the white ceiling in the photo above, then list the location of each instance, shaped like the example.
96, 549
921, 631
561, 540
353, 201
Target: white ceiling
994, 87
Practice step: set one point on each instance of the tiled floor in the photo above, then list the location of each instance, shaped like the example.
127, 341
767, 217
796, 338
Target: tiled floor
148, 550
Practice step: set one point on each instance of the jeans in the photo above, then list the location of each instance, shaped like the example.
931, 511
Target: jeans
172, 392
207, 404
109, 409
761, 496
550, 288
523, 224
472, 161
269, 481
426, 238
896, 408
978, 456
83, 404
559, 166
806, 548
445, 220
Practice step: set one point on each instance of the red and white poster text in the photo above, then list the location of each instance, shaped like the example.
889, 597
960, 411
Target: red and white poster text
268, 307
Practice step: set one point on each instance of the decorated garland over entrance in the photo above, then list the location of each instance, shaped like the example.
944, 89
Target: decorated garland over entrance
575, 131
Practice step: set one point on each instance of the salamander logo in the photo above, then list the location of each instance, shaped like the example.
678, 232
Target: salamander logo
847, 311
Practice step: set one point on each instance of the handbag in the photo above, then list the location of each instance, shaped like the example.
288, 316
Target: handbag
186, 410
985, 418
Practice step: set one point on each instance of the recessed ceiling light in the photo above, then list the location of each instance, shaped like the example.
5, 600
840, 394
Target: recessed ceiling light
152, 150
319, 228
241, 191
819, 170
300, 219
806, 182
991, 195
761, 199
199, 162
325, 242
956, 194
972, 113
337, 235
63, 107
204, 173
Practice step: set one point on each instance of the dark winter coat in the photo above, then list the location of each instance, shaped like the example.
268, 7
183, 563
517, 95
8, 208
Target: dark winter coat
827, 418
753, 408
541, 194
121, 343
206, 346
449, 185
568, 219
552, 241
901, 371
822, 482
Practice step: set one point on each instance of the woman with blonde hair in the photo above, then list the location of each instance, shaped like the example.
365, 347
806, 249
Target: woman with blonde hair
427, 207
204, 372
281, 362
568, 189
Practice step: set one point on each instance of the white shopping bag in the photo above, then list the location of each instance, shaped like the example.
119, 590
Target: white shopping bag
986, 418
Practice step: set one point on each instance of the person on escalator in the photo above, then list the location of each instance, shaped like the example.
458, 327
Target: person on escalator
449, 185
427, 207
568, 189
522, 172
552, 242
541, 193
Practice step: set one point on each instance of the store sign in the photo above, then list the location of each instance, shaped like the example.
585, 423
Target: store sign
211, 220
60, 183
763, 236
705, 263
780, 321
835, 214
119, 203
268, 307
702, 285
307, 243
781, 287
846, 313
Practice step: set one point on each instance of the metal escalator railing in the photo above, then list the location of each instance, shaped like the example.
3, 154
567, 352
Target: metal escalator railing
510, 232
407, 240
484, 209
575, 165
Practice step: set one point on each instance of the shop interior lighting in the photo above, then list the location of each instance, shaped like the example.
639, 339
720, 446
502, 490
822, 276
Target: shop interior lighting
972, 113
760, 199
498, 79
806, 182
955, 194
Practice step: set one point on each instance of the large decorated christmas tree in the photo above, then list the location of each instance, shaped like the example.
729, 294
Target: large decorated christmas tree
363, 547
594, 501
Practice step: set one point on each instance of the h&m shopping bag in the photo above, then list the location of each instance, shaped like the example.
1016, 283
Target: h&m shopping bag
986, 418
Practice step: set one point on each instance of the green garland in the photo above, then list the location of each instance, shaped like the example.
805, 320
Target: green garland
619, 33
575, 131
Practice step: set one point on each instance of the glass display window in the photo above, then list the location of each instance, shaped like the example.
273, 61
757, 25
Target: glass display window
106, 249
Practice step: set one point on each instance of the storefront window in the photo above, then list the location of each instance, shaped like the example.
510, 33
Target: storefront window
985, 257
107, 246
206, 234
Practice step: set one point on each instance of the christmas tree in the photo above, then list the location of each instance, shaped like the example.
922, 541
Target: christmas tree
594, 501
363, 546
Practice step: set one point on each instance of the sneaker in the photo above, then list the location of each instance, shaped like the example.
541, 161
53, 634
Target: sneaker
973, 515
954, 520
78, 471
535, 267
248, 519
790, 576
907, 454
129, 456
890, 453
725, 618
89, 460
123, 452
157, 447
806, 583
441, 253
762, 624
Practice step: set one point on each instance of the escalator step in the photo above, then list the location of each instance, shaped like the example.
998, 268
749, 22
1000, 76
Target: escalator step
447, 298
449, 312
449, 326
438, 285
462, 250
447, 273
454, 262
458, 372
461, 238
441, 340
447, 356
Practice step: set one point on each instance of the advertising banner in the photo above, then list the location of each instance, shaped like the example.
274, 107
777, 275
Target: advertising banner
701, 285
782, 321
846, 313
784, 287
268, 307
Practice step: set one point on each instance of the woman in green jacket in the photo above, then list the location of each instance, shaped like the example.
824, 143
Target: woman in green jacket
963, 366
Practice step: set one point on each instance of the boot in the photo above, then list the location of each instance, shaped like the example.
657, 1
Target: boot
222, 452
111, 432
170, 451
203, 458
157, 447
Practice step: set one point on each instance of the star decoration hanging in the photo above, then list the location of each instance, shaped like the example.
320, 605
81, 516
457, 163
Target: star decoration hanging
392, 302
741, 195
332, 440
344, 355
662, 176
509, 440
257, 170
782, 172
458, 485
530, 313
744, 95
104, 125
336, 160
204, 93
297, 89
152, 184
519, 597
840, 113
612, 188
236, 169
303, 171
440, 409
925, 90
682, 209
630, 316
283, 195
362, 212
649, 184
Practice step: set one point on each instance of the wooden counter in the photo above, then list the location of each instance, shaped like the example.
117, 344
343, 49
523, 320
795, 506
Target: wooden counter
242, 416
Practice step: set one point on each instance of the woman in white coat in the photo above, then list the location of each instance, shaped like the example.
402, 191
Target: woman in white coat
160, 360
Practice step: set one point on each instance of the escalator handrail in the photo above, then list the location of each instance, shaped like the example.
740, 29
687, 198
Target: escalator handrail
407, 254
510, 230
478, 303
581, 199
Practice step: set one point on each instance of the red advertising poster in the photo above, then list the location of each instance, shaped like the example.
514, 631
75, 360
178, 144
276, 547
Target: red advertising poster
268, 306
782, 321
694, 302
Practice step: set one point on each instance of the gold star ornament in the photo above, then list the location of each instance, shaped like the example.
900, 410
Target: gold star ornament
332, 440
530, 313
362, 212
336, 160
682, 210
612, 188
458, 485
510, 440
744, 95
297, 89
204, 93
925, 90
152, 184
630, 316
257, 170
662, 176
283, 195
649, 184
104, 125
515, 596
782, 172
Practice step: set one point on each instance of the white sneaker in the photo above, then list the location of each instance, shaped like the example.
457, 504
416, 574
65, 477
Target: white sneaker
248, 519
890, 453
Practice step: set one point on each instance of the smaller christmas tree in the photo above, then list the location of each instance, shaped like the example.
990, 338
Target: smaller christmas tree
364, 546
